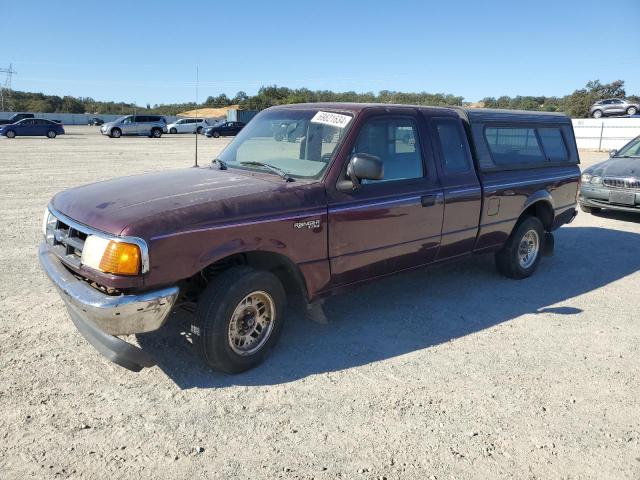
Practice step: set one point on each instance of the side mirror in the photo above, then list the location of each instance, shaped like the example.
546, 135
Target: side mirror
612, 153
363, 166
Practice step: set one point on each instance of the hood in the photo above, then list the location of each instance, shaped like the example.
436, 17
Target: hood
617, 167
158, 203
108, 124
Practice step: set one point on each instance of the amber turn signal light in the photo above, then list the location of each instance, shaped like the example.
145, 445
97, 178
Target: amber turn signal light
121, 258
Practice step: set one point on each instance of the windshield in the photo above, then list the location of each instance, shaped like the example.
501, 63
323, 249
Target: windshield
631, 149
298, 142
121, 119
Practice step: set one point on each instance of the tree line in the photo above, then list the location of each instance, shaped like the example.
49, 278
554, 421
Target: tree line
575, 104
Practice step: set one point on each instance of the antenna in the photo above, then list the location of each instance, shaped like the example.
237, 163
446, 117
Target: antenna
196, 131
5, 90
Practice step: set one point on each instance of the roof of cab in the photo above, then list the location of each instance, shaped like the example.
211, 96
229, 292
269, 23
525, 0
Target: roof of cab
470, 115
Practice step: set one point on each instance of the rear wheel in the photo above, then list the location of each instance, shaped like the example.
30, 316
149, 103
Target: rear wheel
199, 130
173, 130
240, 317
597, 114
11, 134
632, 111
156, 133
115, 133
520, 256
51, 134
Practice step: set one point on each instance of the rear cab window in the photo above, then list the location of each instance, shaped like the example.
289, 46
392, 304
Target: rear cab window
452, 143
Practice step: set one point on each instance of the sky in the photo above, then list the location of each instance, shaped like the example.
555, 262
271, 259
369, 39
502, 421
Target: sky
148, 51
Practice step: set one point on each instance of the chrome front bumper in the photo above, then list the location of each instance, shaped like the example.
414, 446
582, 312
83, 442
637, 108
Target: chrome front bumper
99, 316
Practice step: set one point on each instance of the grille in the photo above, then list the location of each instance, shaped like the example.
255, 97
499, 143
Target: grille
66, 242
628, 183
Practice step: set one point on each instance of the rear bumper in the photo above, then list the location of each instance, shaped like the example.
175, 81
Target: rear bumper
98, 317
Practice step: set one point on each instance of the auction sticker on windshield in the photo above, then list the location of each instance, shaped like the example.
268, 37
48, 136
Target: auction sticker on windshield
333, 119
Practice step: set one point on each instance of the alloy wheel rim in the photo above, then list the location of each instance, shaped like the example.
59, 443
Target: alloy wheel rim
251, 323
528, 249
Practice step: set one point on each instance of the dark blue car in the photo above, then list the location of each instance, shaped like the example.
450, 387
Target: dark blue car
32, 127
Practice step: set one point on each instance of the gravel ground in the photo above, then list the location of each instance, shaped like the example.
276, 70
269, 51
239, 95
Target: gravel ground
452, 372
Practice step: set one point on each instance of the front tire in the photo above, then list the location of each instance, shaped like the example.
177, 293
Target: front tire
632, 111
11, 134
51, 134
240, 316
597, 114
521, 255
173, 131
215, 135
115, 133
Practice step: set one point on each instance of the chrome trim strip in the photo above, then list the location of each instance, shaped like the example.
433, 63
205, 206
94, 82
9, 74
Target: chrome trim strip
243, 224
527, 182
378, 204
142, 244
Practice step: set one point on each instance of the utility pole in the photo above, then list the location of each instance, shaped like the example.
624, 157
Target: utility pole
5, 89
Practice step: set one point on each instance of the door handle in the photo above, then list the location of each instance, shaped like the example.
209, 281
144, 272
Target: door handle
428, 200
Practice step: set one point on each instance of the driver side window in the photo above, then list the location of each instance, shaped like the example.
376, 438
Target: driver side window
395, 142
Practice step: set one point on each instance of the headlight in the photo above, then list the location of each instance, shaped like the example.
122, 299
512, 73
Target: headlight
586, 177
111, 256
48, 225
596, 179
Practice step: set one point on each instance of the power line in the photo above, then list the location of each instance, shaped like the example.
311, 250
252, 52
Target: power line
5, 89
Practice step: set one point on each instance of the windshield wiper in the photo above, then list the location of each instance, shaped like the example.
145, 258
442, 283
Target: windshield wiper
221, 164
273, 168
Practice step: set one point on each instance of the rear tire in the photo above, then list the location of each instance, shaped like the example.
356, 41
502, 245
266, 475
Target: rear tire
10, 134
156, 133
239, 301
115, 133
521, 255
597, 114
632, 111
199, 130
51, 134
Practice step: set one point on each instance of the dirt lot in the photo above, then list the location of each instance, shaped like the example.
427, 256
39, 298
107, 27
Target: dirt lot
453, 372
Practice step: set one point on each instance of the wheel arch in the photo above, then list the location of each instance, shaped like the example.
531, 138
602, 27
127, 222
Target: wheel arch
280, 265
540, 205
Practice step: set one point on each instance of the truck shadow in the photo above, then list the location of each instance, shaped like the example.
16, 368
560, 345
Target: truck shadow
417, 310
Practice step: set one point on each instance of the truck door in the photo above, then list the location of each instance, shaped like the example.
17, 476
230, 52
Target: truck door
390, 224
461, 187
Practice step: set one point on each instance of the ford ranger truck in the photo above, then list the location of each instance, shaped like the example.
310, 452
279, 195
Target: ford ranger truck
362, 191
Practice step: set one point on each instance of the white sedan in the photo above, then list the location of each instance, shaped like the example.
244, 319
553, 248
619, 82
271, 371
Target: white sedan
188, 125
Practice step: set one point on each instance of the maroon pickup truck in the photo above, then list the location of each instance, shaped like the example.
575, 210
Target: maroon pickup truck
360, 192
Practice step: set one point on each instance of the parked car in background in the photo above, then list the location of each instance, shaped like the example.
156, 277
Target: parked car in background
33, 127
352, 203
16, 117
615, 183
227, 129
188, 125
144, 125
95, 121
613, 106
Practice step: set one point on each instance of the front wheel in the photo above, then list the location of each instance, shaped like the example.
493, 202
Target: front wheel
521, 255
51, 134
11, 134
216, 135
173, 131
239, 318
596, 114
115, 133
632, 111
